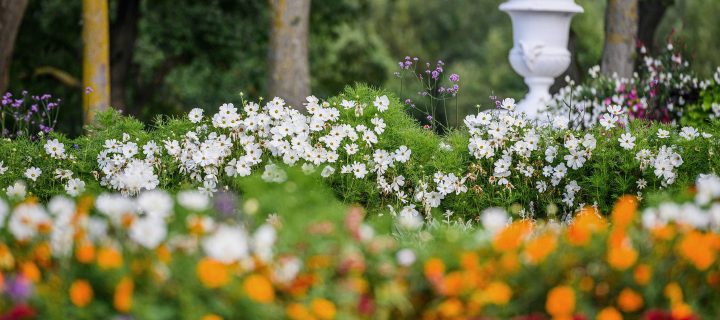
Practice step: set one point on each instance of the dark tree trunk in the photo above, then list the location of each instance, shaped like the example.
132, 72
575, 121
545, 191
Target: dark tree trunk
650, 13
621, 28
123, 33
11, 14
288, 64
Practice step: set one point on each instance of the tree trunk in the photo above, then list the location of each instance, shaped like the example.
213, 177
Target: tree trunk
288, 64
621, 27
123, 34
96, 57
650, 13
11, 14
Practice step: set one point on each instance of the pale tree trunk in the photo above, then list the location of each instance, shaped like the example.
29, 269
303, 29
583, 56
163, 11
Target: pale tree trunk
621, 28
11, 14
288, 65
96, 57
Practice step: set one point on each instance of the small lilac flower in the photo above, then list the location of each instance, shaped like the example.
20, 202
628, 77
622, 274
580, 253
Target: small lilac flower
88, 90
19, 288
454, 77
225, 203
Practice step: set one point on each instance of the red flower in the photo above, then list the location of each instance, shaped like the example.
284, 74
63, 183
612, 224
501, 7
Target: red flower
18, 312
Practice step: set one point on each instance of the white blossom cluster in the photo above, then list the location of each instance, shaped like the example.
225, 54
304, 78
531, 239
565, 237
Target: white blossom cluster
703, 213
122, 169
512, 143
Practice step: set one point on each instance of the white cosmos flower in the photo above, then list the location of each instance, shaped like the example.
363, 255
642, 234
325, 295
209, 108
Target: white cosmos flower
494, 219
689, 133
615, 109
33, 173
3, 168
55, 149
662, 133
17, 191
196, 115
155, 203
148, 231
405, 257
608, 121
382, 103
508, 104
327, 171
193, 200
627, 141
26, 221
75, 187
227, 244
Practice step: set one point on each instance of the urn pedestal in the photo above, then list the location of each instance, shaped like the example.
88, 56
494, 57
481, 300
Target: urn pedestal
540, 37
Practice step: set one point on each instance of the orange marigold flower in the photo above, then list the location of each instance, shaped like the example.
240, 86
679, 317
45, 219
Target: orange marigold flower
259, 288
324, 309
622, 257
560, 301
512, 236
696, 247
30, 271
509, 262
109, 258
629, 300
452, 284
163, 253
470, 260
681, 311
296, 311
609, 313
451, 308
211, 316
7, 260
434, 269
642, 274
540, 247
81, 293
43, 253
85, 252
212, 273
624, 211
123, 298
498, 292
587, 222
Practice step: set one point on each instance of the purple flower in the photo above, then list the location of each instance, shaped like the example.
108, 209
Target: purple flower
88, 90
454, 77
225, 203
19, 288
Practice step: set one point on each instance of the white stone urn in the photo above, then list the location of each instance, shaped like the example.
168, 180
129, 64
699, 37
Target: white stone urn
540, 38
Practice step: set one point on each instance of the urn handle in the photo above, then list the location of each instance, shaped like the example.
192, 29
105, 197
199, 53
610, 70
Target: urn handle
530, 52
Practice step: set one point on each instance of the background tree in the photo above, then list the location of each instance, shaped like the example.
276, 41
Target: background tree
288, 63
123, 34
96, 57
11, 14
650, 14
621, 29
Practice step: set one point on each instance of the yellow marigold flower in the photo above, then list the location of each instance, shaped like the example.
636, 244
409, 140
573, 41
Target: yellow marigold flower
81, 293
629, 300
212, 273
163, 253
512, 236
498, 292
7, 260
540, 247
622, 257
587, 222
434, 269
560, 301
211, 316
259, 288
123, 298
673, 292
296, 311
696, 247
109, 258
451, 308
609, 313
642, 274
30, 270
324, 309
85, 252
624, 211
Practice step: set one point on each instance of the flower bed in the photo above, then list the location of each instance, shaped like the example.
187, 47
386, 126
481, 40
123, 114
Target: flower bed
364, 145
286, 250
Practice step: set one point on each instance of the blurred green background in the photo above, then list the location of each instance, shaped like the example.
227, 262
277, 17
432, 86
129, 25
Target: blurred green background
203, 53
